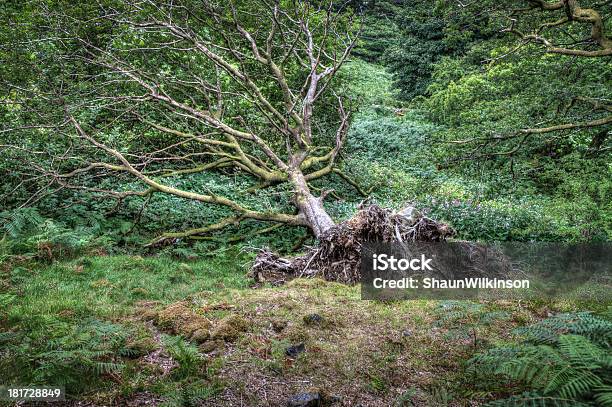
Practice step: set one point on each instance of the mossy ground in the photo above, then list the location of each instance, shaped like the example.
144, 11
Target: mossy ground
124, 330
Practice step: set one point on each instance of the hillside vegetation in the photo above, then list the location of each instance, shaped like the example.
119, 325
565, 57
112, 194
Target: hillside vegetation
149, 152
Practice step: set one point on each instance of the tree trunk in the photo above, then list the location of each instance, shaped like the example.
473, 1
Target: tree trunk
310, 207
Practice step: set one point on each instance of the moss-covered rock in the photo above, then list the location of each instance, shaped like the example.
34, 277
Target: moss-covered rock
211, 346
230, 327
200, 335
182, 320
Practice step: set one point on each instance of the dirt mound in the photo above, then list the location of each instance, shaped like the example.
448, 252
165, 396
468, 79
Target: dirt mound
337, 255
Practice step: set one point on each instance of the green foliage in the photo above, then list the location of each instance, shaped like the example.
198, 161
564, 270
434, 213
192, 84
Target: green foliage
436, 73
395, 152
185, 354
74, 323
420, 44
380, 30
20, 221
596, 329
28, 233
506, 219
563, 360
464, 319
410, 37
189, 395
471, 100
71, 355
552, 189
535, 400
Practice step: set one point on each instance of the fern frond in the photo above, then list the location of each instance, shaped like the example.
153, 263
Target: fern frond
19, 221
548, 331
531, 399
603, 396
582, 352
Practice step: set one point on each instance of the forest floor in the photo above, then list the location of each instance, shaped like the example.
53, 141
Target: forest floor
128, 330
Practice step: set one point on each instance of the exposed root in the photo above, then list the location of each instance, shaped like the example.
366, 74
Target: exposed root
337, 255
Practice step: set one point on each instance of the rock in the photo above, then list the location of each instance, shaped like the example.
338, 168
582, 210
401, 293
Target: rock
294, 350
230, 327
406, 332
313, 319
305, 400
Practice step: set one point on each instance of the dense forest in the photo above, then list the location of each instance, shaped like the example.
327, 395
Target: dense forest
184, 185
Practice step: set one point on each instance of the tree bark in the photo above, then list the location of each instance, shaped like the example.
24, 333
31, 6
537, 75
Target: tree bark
311, 209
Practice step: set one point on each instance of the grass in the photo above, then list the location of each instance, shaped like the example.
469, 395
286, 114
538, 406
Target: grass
108, 287
74, 323
93, 325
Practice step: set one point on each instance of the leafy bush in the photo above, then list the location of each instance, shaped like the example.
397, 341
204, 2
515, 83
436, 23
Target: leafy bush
20, 221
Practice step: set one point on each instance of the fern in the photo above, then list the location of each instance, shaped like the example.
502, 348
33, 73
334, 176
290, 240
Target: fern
532, 399
547, 331
559, 366
26, 232
464, 318
189, 395
66, 354
6, 299
582, 352
20, 221
185, 353
604, 396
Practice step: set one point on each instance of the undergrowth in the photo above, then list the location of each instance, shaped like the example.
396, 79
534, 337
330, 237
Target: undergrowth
564, 360
74, 323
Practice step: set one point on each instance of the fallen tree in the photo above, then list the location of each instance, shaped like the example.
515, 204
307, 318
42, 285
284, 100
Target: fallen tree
146, 93
336, 257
